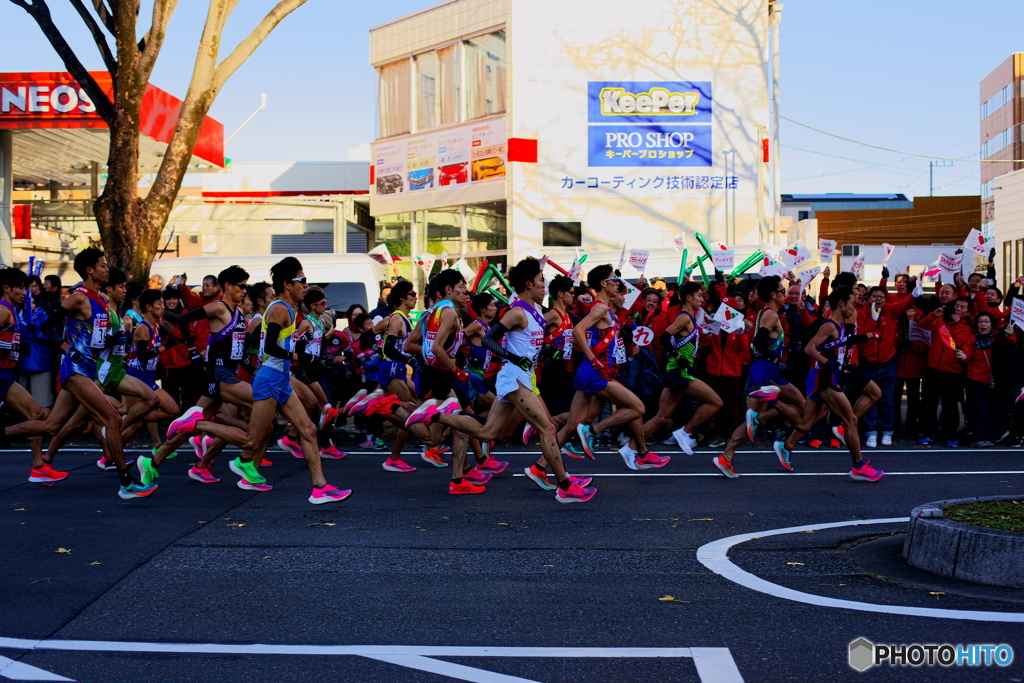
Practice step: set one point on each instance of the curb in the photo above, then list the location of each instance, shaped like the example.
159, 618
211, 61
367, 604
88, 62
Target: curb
963, 551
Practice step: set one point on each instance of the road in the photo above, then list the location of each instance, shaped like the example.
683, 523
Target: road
403, 582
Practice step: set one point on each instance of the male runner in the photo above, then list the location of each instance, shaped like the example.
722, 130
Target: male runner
394, 370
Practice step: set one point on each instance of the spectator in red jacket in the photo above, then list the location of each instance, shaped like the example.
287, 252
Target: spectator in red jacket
726, 365
944, 378
911, 364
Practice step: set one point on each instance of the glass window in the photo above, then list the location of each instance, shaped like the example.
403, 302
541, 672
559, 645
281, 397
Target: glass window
485, 75
393, 105
444, 231
486, 227
395, 229
998, 100
997, 143
562, 233
448, 98
1007, 265
427, 70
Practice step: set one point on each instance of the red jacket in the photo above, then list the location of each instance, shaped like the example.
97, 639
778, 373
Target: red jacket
940, 356
730, 352
200, 330
979, 362
883, 349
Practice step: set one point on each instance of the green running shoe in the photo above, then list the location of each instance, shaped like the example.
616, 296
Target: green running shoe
147, 472
172, 454
247, 471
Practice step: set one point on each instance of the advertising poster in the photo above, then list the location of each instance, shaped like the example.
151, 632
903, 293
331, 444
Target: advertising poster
390, 168
489, 150
419, 163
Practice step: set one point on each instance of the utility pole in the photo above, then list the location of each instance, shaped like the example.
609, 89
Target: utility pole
931, 174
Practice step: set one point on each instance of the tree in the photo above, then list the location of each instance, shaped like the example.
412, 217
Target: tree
130, 225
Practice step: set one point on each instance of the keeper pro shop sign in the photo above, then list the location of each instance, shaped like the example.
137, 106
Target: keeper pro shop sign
649, 123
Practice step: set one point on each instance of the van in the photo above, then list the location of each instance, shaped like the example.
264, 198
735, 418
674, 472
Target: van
345, 278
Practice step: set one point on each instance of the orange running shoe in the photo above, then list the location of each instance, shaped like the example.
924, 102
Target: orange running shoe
464, 487
46, 474
724, 466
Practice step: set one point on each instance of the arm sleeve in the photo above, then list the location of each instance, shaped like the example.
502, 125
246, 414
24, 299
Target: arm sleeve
143, 352
492, 341
185, 322
762, 341
270, 345
391, 351
53, 328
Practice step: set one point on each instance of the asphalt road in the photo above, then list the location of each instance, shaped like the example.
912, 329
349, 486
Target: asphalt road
404, 582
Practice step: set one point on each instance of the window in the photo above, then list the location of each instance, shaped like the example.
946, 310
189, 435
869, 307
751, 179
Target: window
1007, 265
437, 83
851, 250
1020, 257
393, 105
987, 189
485, 74
997, 143
444, 230
395, 229
998, 100
448, 97
803, 215
427, 74
562, 233
486, 227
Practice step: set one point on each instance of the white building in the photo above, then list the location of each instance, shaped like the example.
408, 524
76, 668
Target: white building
509, 128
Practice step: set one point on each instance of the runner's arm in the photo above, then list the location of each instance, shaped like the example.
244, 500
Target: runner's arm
492, 340
825, 332
445, 328
579, 333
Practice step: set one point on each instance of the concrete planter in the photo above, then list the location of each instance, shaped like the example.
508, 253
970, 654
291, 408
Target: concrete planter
963, 551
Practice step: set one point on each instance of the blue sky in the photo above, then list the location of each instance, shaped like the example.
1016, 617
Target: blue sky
902, 75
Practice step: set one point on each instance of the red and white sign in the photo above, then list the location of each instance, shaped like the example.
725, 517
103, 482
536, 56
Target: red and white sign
795, 256
724, 257
770, 266
706, 325
951, 263
916, 333
730, 319
638, 259
643, 336
679, 241
807, 275
858, 266
977, 243
1017, 313
888, 252
426, 262
826, 248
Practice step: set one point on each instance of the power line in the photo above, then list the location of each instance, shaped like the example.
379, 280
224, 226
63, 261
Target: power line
896, 151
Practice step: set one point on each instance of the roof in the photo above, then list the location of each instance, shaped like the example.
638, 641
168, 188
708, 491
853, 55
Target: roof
843, 197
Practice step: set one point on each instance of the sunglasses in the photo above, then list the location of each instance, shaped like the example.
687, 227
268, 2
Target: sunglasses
299, 279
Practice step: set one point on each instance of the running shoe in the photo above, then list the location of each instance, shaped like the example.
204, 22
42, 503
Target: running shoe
493, 466
717, 442
582, 481
263, 463
172, 454
629, 457
925, 441
984, 443
815, 443
147, 472
477, 477
840, 433
784, 454
365, 401
886, 439
290, 445
197, 445
136, 490
866, 472
422, 414
622, 439
246, 470
378, 444
528, 432
366, 443
753, 421
356, 397
397, 465
570, 450
381, 405
539, 477
106, 465
327, 416
650, 460
328, 494
332, 452
464, 487
724, 466
871, 441
433, 456
203, 475
247, 485
670, 441
575, 494
685, 441
186, 423
450, 407
586, 433
45, 474
765, 393
952, 443
442, 449
833, 443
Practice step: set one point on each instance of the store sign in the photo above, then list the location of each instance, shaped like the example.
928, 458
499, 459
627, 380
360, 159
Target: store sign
635, 120
52, 99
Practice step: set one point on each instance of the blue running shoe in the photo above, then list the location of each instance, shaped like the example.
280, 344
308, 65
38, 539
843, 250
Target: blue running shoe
753, 421
573, 452
586, 439
136, 490
785, 455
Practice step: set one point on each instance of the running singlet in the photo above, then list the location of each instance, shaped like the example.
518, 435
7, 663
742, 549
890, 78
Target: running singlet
561, 337
10, 341
479, 357
315, 338
114, 354
683, 354
154, 343
775, 346
451, 345
227, 345
834, 349
607, 346
285, 339
87, 337
528, 341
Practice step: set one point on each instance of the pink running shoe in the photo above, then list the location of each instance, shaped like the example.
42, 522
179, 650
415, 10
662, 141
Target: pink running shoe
290, 445
203, 475
197, 445
765, 393
477, 477
575, 494
582, 481
866, 472
332, 452
328, 494
328, 415
250, 486
651, 460
365, 402
528, 432
398, 465
493, 466
450, 407
186, 423
422, 414
356, 397
433, 456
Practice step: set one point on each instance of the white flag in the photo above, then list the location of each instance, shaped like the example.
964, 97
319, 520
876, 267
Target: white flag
826, 248
463, 267
623, 256
724, 257
382, 255
977, 243
858, 266
638, 259
632, 294
444, 260
730, 319
888, 252
426, 262
807, 275
679, 241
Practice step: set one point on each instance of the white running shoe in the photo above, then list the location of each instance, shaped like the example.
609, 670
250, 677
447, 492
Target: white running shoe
628, 456
670, 441
685, 441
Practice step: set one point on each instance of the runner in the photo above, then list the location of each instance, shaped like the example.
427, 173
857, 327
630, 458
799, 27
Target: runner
144, 358
829, 351
522, 329
766, 385
394, 370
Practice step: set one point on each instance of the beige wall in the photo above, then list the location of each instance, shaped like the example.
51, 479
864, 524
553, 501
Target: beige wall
435, 25
1010, 225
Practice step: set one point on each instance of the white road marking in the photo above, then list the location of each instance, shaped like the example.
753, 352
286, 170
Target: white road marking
714, 664
767, 474
19, 671
714, 556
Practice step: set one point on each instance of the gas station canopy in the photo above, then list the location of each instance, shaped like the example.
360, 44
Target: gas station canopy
58, 137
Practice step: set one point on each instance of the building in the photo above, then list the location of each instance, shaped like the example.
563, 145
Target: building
1009, 219
801, 207
1002, 130
509, 128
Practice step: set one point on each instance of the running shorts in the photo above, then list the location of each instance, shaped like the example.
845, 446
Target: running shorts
271, 383
589, 380
764, 373
217, 375
149, 378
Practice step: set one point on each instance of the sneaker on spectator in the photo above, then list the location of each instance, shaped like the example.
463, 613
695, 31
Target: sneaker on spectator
871, 441
984, 443
886, 439
952, 443
925, 441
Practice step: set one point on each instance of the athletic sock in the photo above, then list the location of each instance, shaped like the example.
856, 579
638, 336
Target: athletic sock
457, 481
565, 484
857, 465
126, 477
244, 459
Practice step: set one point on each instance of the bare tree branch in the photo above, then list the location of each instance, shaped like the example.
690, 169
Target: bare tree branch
97, 36
39, 11
153, 41
245, 48
105, 15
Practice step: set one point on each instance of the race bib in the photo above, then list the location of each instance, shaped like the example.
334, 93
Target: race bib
567, 344
15, 341
237, 344
619, 354
99, 332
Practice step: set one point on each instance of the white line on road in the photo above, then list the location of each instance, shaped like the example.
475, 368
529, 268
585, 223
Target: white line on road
714, 664
715, 556
766, 474
19, 671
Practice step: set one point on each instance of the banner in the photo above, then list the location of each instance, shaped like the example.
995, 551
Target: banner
576, 272
724, 257
730, 319
888, 252
977, 243
795, 256
807, 275
858, 266
632, 294
826, 248
1017, 313
382, 255
444, 260
917, 333
951, 263
426, 262
770, 266
706, 325
638, 259
932, 272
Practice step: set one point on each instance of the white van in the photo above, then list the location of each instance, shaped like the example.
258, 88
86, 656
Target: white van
346, 278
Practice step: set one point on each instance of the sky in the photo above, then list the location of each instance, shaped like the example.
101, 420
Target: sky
902, 75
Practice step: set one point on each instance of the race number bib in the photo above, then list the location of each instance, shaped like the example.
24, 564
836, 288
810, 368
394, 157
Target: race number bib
120, 347
567, 344
15, 342
99, 332
237, 344
619, 354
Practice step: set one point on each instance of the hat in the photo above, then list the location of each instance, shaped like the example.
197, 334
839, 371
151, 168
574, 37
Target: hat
731, 301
